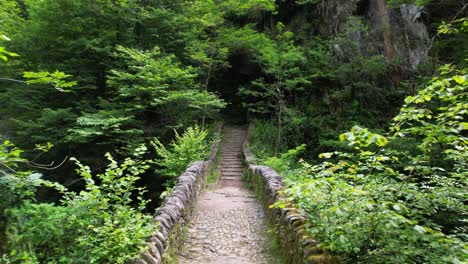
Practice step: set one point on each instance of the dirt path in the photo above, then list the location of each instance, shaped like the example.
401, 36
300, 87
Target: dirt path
228, 224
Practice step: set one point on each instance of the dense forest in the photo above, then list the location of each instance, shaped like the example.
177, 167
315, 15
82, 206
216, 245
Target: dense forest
361, 105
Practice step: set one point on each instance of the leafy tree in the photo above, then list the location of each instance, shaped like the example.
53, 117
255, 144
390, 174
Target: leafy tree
151, 85
282, 63
207, 45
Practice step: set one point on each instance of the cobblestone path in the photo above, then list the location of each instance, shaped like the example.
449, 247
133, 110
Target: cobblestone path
228, 224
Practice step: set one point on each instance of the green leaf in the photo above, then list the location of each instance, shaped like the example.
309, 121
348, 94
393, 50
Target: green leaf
382, 141
326, 155
4, 37
464, 125
459, 79
420, 229
343, 137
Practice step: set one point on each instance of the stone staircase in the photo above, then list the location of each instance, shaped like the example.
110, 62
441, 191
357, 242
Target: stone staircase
231, 163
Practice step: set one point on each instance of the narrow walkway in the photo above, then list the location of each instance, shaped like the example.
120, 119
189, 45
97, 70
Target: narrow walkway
228, 224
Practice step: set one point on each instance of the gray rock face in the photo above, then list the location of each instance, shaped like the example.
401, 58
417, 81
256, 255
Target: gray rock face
417, 33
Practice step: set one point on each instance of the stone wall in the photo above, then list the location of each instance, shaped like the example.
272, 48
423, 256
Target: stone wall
175, 212
298, 245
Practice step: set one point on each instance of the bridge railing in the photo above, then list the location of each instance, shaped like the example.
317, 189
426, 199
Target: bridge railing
176, 211
297, 243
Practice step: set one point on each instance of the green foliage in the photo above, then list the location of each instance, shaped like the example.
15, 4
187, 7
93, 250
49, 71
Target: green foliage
397, 3
17, 184
286, 161
281, 61
394, 196
57, 79
96, 225
142, 68
155, 81
149, 82
457, 26
104, 126
263, 138
5, 54
191, 146
435, 116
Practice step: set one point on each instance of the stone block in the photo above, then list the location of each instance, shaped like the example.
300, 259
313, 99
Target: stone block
153, 250
158, 244
146, 256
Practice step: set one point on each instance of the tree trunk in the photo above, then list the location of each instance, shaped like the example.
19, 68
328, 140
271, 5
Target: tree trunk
378, 12
279, 121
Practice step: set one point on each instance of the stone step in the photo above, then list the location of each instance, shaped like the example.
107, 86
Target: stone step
237, 184
237, 166
236, 175
230, 178
232, 171
232, 167
237, 162
232, 174
239, 169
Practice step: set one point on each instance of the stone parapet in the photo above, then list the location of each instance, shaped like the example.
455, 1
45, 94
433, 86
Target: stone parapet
290, 225
176, 211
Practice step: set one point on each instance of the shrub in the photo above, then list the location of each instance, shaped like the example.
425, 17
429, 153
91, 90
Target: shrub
192, 145
382, 202
286, 161
97, 225
364, 211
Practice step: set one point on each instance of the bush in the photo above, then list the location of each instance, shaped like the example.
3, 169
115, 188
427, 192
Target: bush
97, 225
363, 210
287, 161
383, 202
183, 150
